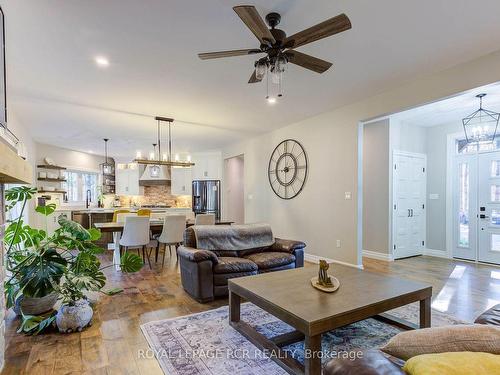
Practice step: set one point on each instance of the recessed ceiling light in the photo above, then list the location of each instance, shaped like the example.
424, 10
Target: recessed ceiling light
271, 100
101, 61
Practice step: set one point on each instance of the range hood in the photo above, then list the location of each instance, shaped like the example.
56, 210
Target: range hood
155, 175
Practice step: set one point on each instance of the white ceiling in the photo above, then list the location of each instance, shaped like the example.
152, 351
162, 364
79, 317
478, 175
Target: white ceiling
452, 109
56, 89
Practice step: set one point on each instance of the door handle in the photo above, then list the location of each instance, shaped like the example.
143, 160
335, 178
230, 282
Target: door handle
409, 213
482, 216
411, 210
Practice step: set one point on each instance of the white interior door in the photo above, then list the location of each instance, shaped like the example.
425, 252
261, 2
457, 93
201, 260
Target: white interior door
409, 186
489, 207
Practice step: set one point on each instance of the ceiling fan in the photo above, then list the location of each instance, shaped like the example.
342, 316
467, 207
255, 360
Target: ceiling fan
278, 47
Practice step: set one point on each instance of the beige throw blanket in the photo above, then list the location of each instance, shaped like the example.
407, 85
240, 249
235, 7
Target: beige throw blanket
233, 237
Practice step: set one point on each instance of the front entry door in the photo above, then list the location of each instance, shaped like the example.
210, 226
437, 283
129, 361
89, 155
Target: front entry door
476, 191
489, 207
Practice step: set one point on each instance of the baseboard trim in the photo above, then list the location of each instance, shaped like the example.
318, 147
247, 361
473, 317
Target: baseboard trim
315, 259
436, 253
377, 255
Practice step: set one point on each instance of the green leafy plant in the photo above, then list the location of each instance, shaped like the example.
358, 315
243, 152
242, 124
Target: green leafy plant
65, 262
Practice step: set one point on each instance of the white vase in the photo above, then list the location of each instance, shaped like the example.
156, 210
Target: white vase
74, 318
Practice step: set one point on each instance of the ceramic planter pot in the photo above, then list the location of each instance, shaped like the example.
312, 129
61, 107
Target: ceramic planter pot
35, 306
74, 318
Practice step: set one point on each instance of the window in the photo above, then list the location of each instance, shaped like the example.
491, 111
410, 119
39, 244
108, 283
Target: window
463, 214
78, 183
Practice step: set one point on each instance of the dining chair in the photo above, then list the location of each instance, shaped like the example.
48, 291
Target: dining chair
204, 219
144, 212
117, 212
172, 234
136, 235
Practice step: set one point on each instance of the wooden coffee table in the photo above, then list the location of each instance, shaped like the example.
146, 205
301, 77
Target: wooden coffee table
289, 296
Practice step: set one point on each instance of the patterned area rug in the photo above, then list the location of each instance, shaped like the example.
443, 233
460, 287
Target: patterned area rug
206, 344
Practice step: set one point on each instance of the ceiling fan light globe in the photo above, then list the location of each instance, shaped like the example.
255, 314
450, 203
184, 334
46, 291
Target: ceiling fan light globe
260, 70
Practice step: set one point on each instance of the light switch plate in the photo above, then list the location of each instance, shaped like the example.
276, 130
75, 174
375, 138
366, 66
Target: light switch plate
348, 195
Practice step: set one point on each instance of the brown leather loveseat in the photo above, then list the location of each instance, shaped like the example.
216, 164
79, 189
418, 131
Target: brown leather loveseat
234, 251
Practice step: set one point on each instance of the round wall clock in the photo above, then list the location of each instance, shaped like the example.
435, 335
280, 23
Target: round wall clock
287, 169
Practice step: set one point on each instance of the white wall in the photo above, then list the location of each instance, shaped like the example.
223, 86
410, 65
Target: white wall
234, 189
320, 214
436, 139
409, 138
68, 158
376, 169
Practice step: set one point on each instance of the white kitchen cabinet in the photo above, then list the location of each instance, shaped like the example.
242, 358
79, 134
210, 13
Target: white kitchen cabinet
181, 181
127, 180
50, 223
208, 166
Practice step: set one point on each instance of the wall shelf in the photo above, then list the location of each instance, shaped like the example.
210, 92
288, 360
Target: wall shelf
47, 166
52, 191
52, 179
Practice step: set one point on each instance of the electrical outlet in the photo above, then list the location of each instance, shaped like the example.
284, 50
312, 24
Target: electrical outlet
348, 195
338, 243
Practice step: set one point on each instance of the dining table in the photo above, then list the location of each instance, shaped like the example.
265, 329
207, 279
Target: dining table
155, 225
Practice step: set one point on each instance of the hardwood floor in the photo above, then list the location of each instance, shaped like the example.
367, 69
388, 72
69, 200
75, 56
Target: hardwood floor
112, 344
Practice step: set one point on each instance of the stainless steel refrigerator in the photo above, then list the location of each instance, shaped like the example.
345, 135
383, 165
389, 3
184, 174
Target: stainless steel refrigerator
206, 197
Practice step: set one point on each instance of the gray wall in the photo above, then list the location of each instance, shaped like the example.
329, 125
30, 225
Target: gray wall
376, 186
436, 140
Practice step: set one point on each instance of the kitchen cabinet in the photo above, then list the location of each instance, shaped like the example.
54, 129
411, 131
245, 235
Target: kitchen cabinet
127, 180
208, 166
50, 223
181, 181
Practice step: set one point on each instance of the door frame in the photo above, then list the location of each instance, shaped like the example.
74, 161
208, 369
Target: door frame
392, 187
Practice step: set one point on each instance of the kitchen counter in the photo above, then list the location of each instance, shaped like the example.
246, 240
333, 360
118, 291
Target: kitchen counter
94, 210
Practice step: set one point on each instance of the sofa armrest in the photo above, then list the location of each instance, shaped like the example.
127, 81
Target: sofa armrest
371, 362
287, 246
196, 255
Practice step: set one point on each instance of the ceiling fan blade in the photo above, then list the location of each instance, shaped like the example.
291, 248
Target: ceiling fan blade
322, 30
308, 61
255, 23
253, 78
236, 52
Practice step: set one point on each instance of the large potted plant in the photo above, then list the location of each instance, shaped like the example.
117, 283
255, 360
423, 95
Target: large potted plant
42, 268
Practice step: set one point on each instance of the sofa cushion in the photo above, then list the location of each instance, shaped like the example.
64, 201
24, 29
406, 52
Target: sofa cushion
234, 265
372, 362
490, 316
271, 259
456, 338
458, 363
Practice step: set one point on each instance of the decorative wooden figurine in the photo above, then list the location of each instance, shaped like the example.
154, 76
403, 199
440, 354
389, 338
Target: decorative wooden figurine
323, 281
323, 278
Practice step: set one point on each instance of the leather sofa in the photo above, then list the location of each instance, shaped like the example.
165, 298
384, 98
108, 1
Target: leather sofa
374, 362
204, 273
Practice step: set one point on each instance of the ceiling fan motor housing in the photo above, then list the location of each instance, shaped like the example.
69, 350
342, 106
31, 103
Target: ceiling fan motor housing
273, 19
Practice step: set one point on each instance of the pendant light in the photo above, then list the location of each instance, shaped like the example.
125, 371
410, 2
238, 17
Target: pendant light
107, 168
481, 125
157, 159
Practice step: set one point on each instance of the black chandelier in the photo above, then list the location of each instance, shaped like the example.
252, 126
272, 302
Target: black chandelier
481, 126
107, 168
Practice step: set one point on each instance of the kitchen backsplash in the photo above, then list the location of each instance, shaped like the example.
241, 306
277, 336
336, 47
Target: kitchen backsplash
157, 195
